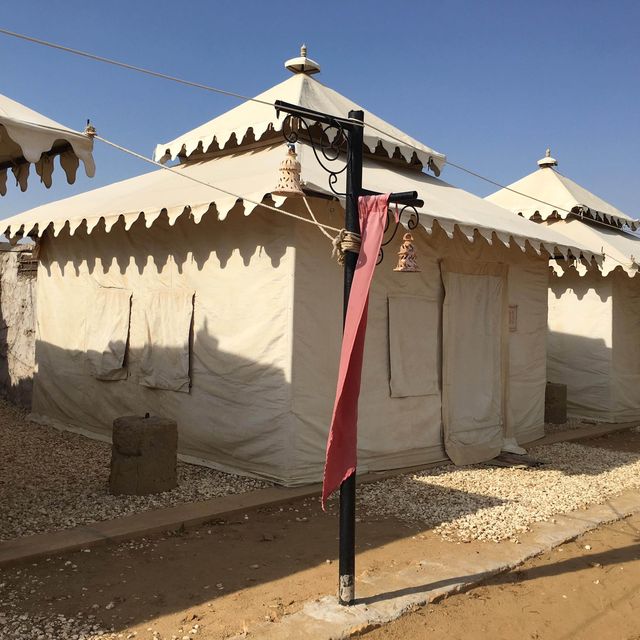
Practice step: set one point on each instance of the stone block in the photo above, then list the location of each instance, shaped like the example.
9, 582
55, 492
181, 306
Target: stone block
555, 403
143, 455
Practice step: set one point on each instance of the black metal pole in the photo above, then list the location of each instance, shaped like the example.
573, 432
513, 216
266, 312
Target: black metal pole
355, 135
347, 556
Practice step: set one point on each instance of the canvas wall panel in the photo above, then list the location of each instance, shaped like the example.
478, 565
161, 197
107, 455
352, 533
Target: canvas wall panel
528, 294
237, 413
107, 333
580, 342
525, 367
263, 362
167, 315
625, 377
413, 352
473, 359
393, 431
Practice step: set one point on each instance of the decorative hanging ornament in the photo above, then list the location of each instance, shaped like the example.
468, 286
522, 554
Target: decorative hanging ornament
407, 256
289, 182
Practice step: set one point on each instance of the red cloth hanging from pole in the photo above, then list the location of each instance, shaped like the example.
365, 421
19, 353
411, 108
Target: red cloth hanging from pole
342, 444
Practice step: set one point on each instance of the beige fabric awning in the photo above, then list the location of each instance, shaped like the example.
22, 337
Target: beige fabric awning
619, 248
253, 120
254, 174
559, 196
27, 137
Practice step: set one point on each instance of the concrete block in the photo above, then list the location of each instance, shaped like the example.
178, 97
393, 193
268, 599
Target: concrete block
555, 403
143, 455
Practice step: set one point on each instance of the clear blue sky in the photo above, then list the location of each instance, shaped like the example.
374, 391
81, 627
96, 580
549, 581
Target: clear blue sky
491, 84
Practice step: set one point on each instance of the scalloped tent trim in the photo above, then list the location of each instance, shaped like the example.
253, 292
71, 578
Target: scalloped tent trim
27, 137
150, 195
559, 270
620, 250
581, 211
253, 121
565, 198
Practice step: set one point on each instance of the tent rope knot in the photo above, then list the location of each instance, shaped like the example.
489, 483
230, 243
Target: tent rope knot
343, 242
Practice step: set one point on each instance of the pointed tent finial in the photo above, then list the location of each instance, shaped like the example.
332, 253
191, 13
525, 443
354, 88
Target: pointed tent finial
302, 64
547, 161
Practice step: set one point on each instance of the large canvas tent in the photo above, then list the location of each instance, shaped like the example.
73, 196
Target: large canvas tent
594, 315
27, 137
161, 294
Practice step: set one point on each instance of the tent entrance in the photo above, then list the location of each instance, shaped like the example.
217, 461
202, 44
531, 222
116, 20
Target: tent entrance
473, 359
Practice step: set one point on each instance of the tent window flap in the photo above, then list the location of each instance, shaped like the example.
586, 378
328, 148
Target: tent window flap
413, 346
167, 317
108, 333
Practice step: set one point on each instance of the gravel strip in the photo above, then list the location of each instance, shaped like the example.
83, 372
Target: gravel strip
53, 480
494, 503
570, 424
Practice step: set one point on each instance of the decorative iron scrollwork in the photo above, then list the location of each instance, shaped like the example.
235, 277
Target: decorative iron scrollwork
333, 142
412, 222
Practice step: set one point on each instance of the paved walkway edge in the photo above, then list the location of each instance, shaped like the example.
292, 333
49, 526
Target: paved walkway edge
428, 582
187, 516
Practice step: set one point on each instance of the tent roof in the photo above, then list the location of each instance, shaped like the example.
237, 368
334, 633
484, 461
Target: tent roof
253, 174
619, 248
25, 135
559, 194
231, 128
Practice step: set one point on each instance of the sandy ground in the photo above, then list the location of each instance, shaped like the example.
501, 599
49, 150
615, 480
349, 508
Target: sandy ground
587, 589
229, 576
226, 577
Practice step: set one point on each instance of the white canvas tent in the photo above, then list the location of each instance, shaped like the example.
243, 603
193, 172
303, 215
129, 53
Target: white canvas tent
162, 295
594, 316
27, 137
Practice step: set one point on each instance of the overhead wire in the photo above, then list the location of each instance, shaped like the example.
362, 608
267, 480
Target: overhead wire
199, 85
130, 67
213, 186
478, 175
206, 87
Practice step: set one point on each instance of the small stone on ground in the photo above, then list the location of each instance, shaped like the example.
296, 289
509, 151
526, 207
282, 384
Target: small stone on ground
51, 480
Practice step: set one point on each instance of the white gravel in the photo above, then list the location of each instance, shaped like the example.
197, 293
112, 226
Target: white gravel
495, 503
53, 480
570, 424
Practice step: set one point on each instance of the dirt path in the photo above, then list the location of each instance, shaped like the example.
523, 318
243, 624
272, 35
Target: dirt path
225, 577
229, 576
586, 589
